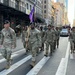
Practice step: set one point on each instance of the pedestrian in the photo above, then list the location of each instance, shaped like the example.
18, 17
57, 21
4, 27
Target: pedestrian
33, 43
25, 39
48, 38
8, 40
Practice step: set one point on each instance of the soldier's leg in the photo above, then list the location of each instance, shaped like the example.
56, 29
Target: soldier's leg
57, 43
33, 56
54, 44
47, 49
43, 46
72, 46
8, 57
51, 49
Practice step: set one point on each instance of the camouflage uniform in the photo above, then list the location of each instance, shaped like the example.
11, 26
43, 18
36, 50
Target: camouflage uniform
57, 37
42, 33
72, 40
39, 41
33, 42
8, 40
54, 40
49, 37
24, 39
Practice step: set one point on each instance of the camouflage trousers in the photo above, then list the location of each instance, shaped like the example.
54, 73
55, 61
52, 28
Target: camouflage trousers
6, 53
47, 47
33, 48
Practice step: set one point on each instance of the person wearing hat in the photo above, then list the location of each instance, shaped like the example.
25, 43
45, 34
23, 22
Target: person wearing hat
24, 38
57, 36
8, 41
48, 39
33, 43
42, 33
72, 39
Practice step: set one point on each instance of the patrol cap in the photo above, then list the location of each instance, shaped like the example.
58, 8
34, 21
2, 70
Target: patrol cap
49, 25
6, 22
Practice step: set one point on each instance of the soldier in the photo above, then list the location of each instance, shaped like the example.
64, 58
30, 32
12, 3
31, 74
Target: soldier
8, 40
42, 33
72, 39
48, 38
33, 43
57, 36
54, 42
24, 38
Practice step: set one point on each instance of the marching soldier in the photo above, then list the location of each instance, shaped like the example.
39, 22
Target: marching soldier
33, 43
49, 38
54, 41
42, 33
57, 36
24, 38
8, 40
72, 39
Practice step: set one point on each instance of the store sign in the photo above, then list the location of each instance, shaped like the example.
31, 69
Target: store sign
27, 11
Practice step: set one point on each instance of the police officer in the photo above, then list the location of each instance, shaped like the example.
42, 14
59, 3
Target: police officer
57, 36
48, 38
8, 40
24, 38
33, 43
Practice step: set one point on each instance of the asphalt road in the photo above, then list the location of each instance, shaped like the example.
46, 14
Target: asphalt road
21, 62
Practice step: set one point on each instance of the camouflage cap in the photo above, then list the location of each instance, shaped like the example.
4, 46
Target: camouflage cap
6, 22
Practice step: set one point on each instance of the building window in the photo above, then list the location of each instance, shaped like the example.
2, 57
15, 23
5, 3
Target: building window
44, 1
27, 6
44, 6
44, 11
30, 7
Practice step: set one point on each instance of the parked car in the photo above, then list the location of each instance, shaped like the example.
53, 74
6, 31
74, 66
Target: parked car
64, 32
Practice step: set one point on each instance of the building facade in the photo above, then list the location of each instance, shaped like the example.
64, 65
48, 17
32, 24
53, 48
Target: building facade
17, 11
46, 6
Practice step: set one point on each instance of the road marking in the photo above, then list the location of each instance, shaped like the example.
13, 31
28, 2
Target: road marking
71, 56
38, 67
15, 54
16, 65
64, 62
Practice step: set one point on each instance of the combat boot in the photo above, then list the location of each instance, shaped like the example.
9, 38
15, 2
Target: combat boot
33, 63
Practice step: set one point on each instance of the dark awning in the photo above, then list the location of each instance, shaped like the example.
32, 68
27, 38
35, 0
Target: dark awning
13, 12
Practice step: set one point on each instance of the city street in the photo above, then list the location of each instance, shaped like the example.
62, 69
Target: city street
59, 64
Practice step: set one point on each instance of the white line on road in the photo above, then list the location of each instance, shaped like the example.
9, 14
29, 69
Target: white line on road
18, 51
15, 54
71, 56
16, 65
2, 60
38, 67
64, 62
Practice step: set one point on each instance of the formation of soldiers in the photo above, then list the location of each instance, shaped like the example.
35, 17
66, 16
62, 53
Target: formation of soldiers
34, 39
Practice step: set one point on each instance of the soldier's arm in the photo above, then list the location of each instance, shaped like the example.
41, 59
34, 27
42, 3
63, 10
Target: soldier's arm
2, 38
